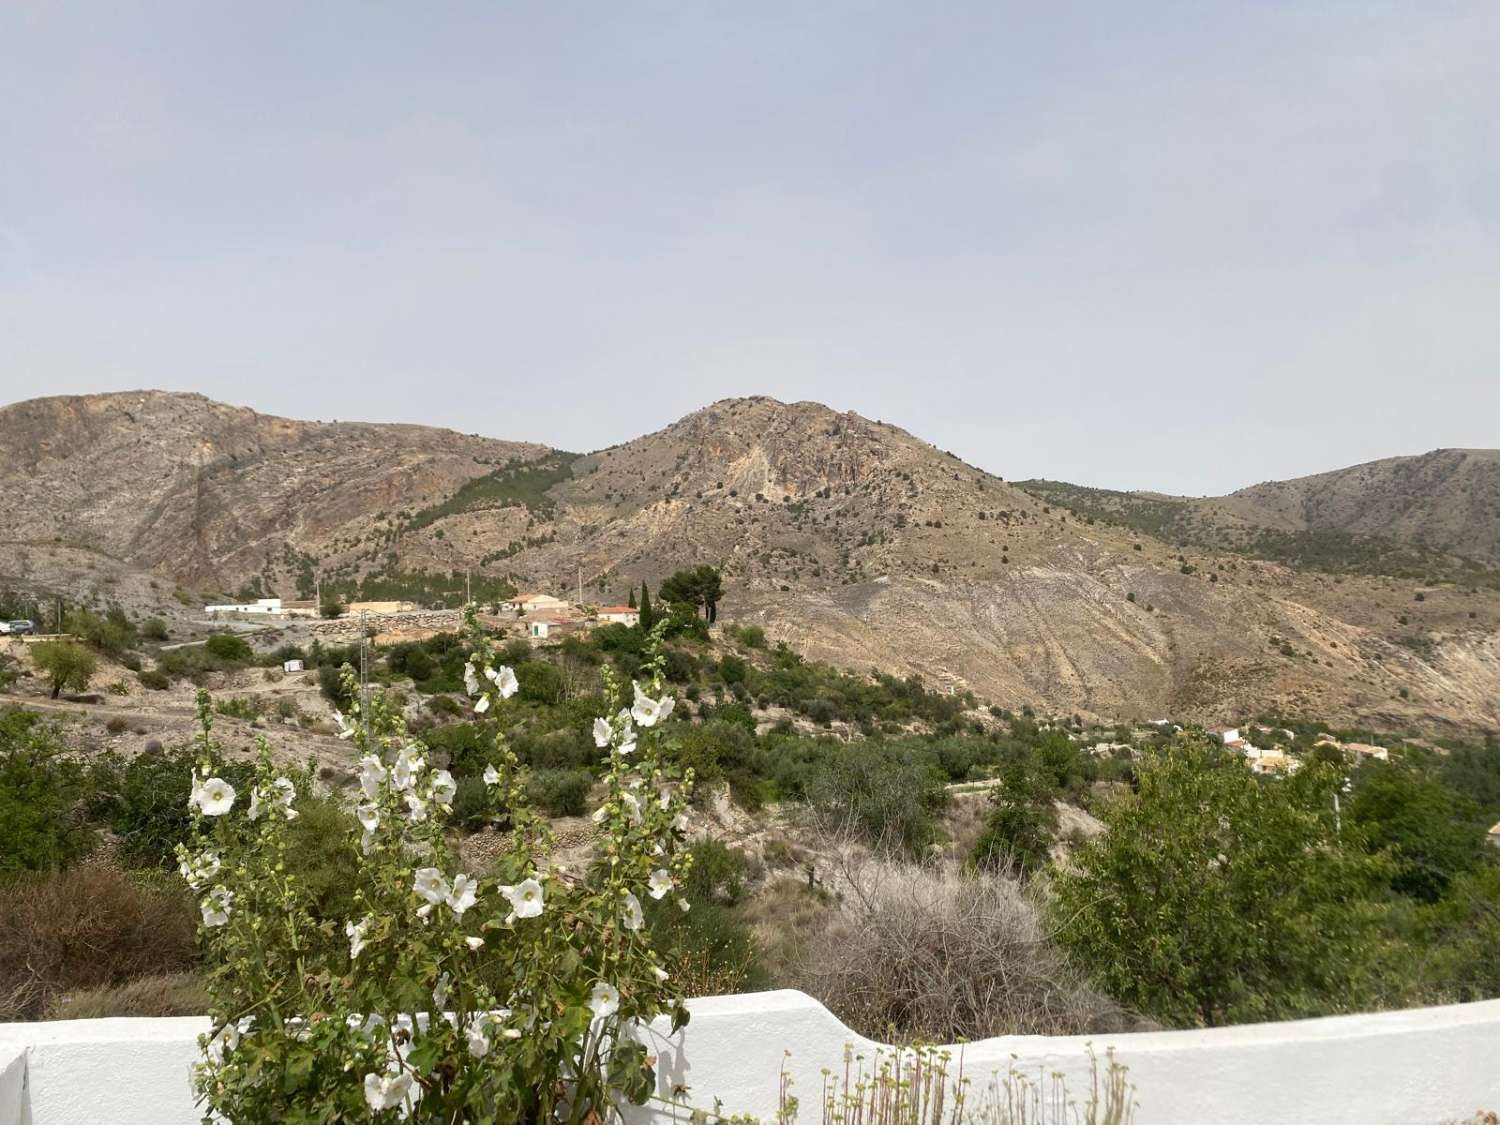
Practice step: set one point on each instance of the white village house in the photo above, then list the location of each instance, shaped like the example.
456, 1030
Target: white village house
619, 615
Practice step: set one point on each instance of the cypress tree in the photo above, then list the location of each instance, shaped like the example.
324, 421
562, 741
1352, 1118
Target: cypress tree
648, 618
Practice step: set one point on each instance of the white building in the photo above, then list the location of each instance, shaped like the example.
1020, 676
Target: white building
260, 605
620, 615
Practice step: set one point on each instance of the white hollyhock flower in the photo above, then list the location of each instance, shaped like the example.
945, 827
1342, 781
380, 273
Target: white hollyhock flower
474, 942
627, 740
345, 730
442, 788
216, 797
661, 883
647, 711
661, 974
483, 705
526, 899
478, 1034
633, 806
504, 679
430, 885
491, 775
440, 992
215, 906
285, 793
371, 774
599, 814
461, 897
199, 870
386, 1091
683, 905
634, 919
471, 681
356, 934
603, 732
253, 812
369, 816
416, 809
408, 764
604, 1000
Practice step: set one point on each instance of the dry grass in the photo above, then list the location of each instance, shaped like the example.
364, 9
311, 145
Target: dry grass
916, 954
173, 994
86, 928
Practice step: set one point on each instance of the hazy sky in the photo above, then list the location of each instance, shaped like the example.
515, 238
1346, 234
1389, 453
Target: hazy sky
1185, 246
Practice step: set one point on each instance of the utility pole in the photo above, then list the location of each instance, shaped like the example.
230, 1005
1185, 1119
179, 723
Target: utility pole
364, 674
468, 597
580, 583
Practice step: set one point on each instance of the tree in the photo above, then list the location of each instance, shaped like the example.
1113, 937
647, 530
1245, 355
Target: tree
1214, 897
1433, 833
630, 601
66, 664
228, 647
700, 587
1022, 824
648, 618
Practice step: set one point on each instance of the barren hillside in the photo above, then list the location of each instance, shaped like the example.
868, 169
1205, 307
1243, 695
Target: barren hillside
849, 539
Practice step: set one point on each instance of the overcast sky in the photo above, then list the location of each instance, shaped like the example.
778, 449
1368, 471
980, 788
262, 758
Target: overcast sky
1183, 246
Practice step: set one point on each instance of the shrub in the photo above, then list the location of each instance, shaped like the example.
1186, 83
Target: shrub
1019, 831
116, 725
169, 994
569, 960
42, 822
228, 648
560, 792
917, 954
86, 927
154, 629
153, 680
879, 793
1217, 898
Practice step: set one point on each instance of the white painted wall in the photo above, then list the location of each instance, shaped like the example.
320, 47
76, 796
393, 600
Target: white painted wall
1417, 1067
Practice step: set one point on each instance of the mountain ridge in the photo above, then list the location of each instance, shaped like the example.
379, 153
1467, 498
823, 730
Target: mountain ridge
851, 540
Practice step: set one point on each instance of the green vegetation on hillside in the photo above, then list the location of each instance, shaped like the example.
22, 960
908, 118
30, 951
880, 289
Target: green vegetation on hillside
516, 484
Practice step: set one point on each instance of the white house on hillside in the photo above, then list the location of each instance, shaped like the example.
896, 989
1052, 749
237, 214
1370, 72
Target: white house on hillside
620, 615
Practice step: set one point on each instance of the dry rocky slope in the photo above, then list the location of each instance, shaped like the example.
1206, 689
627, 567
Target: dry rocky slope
850, 539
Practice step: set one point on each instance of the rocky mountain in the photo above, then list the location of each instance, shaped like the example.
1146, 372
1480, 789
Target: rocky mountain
849, 539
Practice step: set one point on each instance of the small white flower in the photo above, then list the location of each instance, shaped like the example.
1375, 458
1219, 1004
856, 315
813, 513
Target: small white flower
604, 1000
461, 897
416, 809
632, 804
661, 974
491, 775
215, 906
253, 812
356, 933
512, 1033
483, 705
216, 797
526, 898
478, 1034
200, 870
371, 774
661, 883
634, 919
369, 816
386, 1091
599, 814
504, 679
471, 681
345, 730
442, 788
430, 885
627, 741
440, 992
683, 905
474, 942
603, 732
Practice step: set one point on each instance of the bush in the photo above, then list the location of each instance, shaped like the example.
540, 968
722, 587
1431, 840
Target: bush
88, 927
917, 954
42, 821
560, 792
228, 648
153, 680
1217, 898
170, 994
154, 629
876, 791
145, 802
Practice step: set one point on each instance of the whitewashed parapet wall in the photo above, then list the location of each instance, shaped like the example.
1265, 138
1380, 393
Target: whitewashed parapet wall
1417, 1067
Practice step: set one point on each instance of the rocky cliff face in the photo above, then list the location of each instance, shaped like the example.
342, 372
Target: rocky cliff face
849, 539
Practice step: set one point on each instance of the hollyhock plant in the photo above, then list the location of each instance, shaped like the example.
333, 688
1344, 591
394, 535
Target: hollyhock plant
433, 991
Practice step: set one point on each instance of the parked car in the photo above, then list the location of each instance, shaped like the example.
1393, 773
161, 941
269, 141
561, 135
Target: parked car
20, 628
